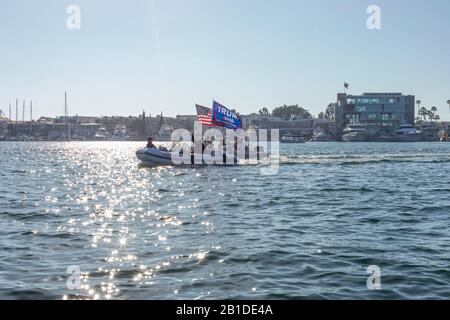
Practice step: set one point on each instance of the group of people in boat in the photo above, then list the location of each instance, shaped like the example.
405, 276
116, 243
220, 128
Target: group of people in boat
205, 144
151, 145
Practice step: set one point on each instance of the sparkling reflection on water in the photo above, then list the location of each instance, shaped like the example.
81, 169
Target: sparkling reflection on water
207, 233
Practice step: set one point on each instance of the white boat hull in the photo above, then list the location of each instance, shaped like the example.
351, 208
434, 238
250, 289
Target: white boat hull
155, 157
354, 138
408, 138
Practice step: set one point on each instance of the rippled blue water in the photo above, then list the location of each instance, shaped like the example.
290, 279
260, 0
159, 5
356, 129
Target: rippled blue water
310, 231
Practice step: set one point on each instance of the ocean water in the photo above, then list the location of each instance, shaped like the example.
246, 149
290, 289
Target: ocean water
85, 221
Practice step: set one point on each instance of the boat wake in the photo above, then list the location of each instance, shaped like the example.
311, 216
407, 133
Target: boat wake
349, 160
156, 157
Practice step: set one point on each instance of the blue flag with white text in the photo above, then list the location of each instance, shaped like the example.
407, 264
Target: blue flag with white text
223, 117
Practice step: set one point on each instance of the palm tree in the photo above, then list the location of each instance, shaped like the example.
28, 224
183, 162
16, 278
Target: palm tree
432, 113
423, 112
418, 102
264, 112
330, 112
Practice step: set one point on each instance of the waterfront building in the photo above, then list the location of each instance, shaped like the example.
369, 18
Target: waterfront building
3, 127
76, 119
186, 121
57, 131
88, 130
305, 128
37, 129
379, 114
255, 120
142, 126
430, 130
444, 131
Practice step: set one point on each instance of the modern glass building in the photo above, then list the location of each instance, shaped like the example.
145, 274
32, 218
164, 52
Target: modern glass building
379, 113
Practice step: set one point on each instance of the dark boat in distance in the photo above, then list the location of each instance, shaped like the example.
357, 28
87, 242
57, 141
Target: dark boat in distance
292, 139
407, 133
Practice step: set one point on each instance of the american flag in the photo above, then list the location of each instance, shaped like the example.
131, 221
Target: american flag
204, 116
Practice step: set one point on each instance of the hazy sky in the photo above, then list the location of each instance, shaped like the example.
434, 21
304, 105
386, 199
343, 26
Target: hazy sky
168, 55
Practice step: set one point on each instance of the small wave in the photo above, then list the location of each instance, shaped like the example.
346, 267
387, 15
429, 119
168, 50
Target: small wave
18, 171
362, 189
35, 294
23, 216
434, 209
392, 161
359, 160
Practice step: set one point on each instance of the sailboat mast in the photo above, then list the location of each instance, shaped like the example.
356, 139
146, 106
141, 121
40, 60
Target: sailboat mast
66, 114
17, 117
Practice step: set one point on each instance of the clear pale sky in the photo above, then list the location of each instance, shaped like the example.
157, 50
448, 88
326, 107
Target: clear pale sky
168, 55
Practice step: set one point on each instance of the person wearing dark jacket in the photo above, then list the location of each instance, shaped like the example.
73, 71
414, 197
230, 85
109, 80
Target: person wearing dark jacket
150, 144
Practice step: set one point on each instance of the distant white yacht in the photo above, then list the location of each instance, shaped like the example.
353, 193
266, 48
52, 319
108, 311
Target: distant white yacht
120, 133
102, 134
321, 136
407, 133
165, 133
354, 133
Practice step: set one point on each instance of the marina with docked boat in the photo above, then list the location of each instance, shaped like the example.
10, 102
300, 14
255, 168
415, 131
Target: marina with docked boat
369, 117
386, 117
404, 133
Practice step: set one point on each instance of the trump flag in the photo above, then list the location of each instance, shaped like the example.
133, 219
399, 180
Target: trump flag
223, 117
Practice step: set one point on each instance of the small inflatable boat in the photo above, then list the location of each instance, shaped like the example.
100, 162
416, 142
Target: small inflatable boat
156, 157
162, 157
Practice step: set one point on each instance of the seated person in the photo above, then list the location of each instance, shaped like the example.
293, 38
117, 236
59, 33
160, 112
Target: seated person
150, 144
